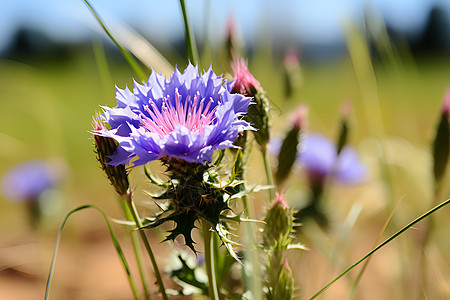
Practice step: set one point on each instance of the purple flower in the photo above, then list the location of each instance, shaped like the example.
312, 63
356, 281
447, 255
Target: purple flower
319, 159
188, 117
28, 180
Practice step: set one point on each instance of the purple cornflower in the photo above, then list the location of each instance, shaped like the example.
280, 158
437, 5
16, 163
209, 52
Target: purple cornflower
27, 181
319, 159
187, 117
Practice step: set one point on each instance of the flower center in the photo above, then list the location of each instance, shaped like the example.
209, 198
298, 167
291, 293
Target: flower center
193, 115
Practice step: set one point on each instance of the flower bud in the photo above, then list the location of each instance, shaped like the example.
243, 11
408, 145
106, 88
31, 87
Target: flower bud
441, 142
105, 147
285, 285
288, 151
292, 74
244, 82
258, 113
279, 222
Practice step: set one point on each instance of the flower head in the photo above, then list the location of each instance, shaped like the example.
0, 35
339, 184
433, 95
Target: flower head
187, 117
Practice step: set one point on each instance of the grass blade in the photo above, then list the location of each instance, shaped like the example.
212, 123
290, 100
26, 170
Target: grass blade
191, 45
113, 238
142, 49
434, 209
125, 53
102, 65
364, 267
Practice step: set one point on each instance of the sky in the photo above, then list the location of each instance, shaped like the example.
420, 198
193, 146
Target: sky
315, 22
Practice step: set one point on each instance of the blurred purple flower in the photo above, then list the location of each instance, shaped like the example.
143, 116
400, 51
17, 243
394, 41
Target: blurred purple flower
27, 181
188, 117
319, 158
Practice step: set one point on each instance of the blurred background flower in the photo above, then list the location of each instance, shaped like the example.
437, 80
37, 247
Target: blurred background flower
32, 182
319, 159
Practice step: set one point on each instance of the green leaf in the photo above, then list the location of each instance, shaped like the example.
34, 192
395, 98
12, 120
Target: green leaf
154, 180
185, 276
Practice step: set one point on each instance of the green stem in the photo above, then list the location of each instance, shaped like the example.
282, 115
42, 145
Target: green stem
137, 252
252, 256
251, 252
147, 246
252, 270
269, 175
191, 46
209, 260
380, 246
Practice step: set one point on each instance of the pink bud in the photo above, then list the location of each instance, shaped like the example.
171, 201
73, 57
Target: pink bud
231, 26
245, 83
446, 103
299, 118
291, 59
280, 200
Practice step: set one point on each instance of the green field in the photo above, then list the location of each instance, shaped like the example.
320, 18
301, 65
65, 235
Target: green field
46, 110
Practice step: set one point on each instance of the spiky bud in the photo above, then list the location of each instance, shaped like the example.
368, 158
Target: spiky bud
279, 222
276, 239
441, 148
105, 147
258, 116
